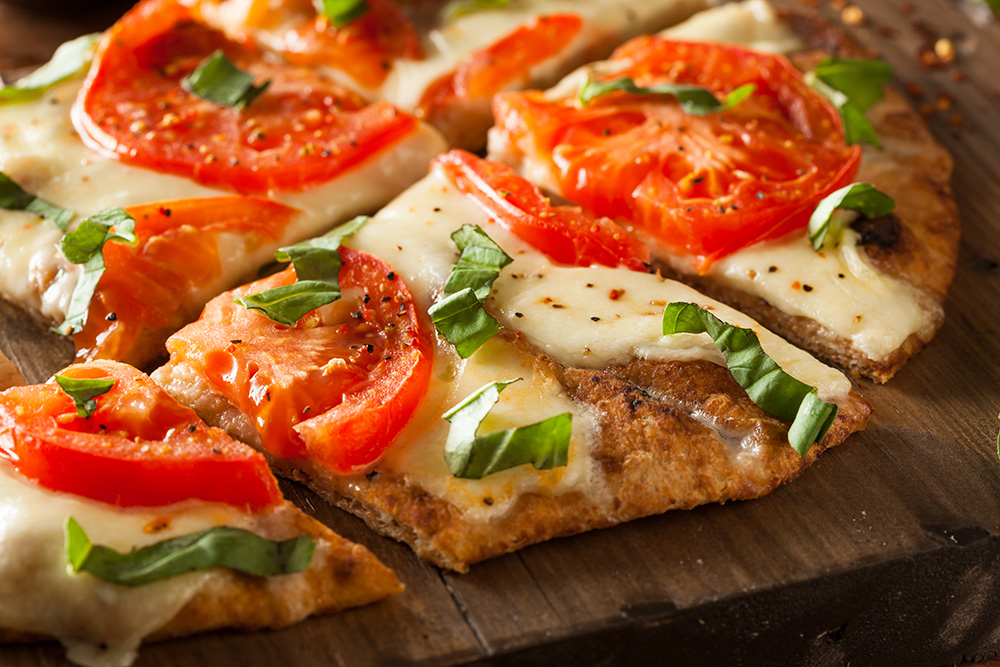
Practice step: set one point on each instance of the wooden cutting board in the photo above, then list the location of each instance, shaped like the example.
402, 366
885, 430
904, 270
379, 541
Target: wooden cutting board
886, 551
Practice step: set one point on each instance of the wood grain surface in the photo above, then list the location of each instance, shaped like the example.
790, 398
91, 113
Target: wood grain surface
886, 551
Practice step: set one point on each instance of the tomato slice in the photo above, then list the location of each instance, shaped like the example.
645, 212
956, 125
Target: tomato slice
486, 72
302, 131
150, 290
364, 48
702, 186
338, 386
564, 233
139, 447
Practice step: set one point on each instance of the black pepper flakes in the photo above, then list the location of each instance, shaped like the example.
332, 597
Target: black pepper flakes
391, 275
772, 269
807, 288
111, 317
595, 318
372, 475
192, 428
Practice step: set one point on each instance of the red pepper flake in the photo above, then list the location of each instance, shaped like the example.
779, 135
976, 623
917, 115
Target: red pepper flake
616, 294
796, 285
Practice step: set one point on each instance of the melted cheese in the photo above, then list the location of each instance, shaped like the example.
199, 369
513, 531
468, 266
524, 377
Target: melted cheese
849, 296
554, 307
446, 45
40, 150
100, 624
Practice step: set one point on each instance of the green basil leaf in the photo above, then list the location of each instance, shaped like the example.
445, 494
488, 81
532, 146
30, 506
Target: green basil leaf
457, 8
462, 321
773, 390
861, 197
544, 444
222, 546
85, 245
290, 303
218, 80
696, 100
14, 198
342, 12
479, 263
317, 265
83, 391
459, 314
852, 86
68, 60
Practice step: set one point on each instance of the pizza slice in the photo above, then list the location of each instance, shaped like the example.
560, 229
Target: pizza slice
746, 180
127, 519
443, 61
210, 186
472, 328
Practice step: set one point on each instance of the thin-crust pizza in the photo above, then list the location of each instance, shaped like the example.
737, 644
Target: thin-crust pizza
140, 470
869, 300
658, 422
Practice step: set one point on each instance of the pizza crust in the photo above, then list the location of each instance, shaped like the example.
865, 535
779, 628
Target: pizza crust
653, 454
342, 574
10, 375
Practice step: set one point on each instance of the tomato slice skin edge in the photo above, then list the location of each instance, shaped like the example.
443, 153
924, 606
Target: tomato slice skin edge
138, 448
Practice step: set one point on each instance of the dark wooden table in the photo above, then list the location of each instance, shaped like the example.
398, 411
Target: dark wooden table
887, 551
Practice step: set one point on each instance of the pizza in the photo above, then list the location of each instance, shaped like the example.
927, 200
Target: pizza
131, 200
444, 61
127, 519
376, 405
725, 198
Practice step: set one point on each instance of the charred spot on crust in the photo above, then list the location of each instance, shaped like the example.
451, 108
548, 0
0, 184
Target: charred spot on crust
883, 231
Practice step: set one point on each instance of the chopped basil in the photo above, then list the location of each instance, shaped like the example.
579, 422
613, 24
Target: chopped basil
773, 390
69, 59
83, 391
861, 197
317, 270
459, 315
852, 86
222, 546
14, 198
544, 444
457, 8
85, 245
696, 100
218, 80
342, 12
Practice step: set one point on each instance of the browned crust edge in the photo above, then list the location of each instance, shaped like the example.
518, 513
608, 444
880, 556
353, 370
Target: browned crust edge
341, 575
653, 455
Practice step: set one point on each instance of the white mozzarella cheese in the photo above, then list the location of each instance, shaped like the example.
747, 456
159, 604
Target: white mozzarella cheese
100, 624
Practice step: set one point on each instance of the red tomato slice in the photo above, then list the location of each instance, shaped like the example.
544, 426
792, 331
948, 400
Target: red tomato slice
704, 186
564, 233
364, 48
487, 71
139, 447
337, 387
302, 131
151, 289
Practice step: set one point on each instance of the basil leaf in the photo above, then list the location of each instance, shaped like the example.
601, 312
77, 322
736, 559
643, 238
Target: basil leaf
342, 12
459, 315
14, 198
457, 8
773, 390
852, 86
222, 546
544, 444
696, 100
83, 391
85, 245
69, 59
860, 197
218, 80
317, 277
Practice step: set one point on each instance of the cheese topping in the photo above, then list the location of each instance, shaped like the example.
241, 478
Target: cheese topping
40, 150
100, 624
